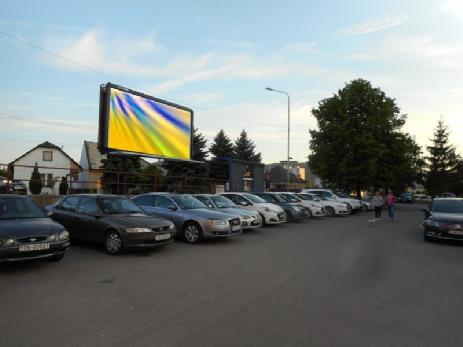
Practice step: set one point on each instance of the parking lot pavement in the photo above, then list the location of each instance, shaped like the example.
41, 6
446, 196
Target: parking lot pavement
324, 282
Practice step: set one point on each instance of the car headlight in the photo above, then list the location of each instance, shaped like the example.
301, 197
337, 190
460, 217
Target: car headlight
138, 230
9, 242
246, 217
172, 226
52, 238
432, 223
217, 221
64, 235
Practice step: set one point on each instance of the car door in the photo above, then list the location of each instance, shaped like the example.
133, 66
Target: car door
165, 207
146, 202
88, 220
66, 214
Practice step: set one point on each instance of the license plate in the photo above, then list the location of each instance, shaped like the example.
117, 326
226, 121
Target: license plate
162, 237
34, 247
236, 227
456, 232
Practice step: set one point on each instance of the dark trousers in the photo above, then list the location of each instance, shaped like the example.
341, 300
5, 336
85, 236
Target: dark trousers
377, 212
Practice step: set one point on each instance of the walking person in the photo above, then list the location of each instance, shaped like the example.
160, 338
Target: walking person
378, 203
390, 203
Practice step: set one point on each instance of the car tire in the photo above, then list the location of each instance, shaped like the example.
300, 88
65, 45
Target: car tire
289, 216
192, 232
113, 243
330, 211
264, 222
427, 238
309, 214
56, 258
349, 208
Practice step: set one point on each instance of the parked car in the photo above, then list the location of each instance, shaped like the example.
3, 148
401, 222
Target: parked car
406, 197
192, 218
115, 221
352, 204
444, 219
294, 211
3, 185
314, 208
447, 195
332, 208
270, 213
27, 233
367, 204
422, 197
249, 219
18, 187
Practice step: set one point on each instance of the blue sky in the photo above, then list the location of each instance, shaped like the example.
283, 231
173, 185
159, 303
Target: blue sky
217, 57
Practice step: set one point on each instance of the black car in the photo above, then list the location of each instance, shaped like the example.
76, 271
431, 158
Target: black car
18, 187
115, 221
27, 233
406, 198
444, 220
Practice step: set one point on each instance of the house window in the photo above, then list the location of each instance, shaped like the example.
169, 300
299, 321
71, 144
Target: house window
47, 180
47, 156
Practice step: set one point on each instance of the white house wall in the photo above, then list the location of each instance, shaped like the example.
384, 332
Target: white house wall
36, 156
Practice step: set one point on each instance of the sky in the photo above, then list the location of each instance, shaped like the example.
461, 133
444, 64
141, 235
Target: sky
217, 57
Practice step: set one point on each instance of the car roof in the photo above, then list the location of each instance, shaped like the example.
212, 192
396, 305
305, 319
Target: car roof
449, 199
96, 195
11, 196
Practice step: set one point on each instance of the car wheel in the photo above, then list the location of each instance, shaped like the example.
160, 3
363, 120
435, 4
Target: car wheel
57, 257
329, 211
289, 216
427, 238
192, 232
264, 222
309, 213
113, 243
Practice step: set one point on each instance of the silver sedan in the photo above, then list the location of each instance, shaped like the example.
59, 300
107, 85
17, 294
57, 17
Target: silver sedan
192, 219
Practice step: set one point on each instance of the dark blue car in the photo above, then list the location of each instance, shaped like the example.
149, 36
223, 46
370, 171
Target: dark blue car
27, 233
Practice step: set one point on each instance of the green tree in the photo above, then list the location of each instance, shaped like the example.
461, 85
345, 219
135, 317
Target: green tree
221, 147
358, 144
182, 176
442, 162
244, 149
35, 184
120, 170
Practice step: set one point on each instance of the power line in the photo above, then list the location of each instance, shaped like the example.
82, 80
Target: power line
47, 122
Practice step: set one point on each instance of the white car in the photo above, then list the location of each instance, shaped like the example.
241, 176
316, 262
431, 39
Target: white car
352, 204
316, 209
332, 208
271, 213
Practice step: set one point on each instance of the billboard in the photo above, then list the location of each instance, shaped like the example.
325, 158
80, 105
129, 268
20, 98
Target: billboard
136, 123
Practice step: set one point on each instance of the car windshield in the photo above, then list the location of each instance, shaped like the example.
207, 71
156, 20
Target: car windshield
447, 206
187, 202
19, 208
290, 198
118, 205
254, 198
222, 202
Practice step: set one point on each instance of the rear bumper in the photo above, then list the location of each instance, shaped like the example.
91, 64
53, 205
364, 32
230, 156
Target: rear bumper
12, 254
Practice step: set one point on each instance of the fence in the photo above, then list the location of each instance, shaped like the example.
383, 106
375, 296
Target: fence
104, 181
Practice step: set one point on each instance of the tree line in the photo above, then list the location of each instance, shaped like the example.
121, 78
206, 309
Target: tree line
194, 173
360, 145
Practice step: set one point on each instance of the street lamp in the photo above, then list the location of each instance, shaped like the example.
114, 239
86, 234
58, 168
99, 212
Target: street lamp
287, 159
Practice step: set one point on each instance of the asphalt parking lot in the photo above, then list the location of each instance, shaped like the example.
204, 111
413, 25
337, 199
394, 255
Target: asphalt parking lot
324, 282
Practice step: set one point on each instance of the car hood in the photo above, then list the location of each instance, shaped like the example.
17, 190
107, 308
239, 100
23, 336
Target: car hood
206, 213
16, 228
269, 205
446, 217
136, 220
237, 211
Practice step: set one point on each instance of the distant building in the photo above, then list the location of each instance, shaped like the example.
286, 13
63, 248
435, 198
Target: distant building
53, 164
91, 161
300, 176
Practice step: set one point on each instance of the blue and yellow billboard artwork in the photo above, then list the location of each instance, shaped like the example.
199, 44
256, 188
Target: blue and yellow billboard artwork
144, 125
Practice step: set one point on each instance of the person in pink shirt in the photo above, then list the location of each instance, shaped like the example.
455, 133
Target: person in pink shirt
390, 203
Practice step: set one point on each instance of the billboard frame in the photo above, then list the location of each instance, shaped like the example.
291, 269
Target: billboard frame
103, 124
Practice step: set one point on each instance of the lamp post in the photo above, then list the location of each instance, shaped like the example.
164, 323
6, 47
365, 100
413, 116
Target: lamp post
287, 158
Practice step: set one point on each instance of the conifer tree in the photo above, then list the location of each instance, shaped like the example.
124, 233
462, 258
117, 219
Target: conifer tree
244, 149
35, 184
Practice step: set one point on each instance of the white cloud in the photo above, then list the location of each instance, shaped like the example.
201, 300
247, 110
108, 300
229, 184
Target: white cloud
373, 24
303, 47
452, 7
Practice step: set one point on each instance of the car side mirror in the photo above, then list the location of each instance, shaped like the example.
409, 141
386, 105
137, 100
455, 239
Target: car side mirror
244, 203
172, 208
49, 213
